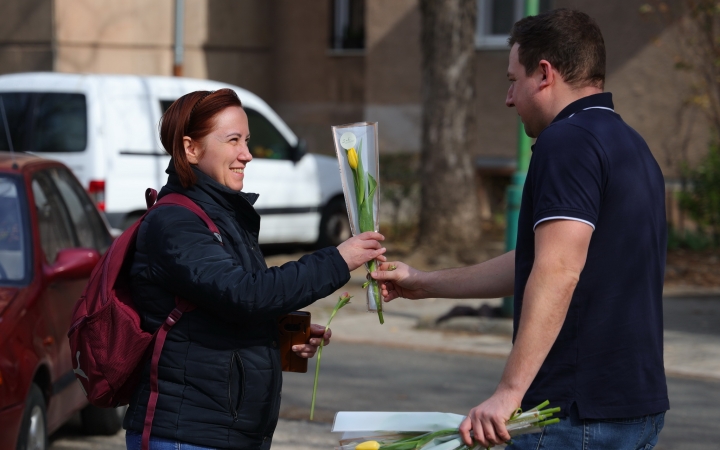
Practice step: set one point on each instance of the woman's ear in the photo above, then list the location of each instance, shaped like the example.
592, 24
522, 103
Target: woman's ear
192, 152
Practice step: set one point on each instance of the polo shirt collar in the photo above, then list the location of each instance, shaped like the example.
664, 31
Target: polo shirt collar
602, 100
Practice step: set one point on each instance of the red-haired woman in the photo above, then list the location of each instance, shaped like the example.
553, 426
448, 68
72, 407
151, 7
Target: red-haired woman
219, 372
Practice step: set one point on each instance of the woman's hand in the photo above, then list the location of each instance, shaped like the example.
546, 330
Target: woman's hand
362, 248
317, 335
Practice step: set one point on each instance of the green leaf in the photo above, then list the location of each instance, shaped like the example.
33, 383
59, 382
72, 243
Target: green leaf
359, 176
372, 186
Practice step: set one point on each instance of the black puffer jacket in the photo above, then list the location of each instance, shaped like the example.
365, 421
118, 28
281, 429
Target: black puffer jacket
219, 372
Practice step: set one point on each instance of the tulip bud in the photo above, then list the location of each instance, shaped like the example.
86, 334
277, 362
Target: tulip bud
352, 158
368, 445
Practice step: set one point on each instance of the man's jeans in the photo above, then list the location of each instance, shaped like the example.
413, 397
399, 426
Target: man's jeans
638, 433
133, 441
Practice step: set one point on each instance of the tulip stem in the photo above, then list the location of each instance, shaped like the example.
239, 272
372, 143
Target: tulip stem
342, 301
317, 373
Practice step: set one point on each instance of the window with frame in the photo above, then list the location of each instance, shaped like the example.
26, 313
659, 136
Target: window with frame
265, 140
14, 250
51, 122
90, 230
55, 226
495, 19
347, 25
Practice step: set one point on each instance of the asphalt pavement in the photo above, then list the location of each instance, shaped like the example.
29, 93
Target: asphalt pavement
400, 366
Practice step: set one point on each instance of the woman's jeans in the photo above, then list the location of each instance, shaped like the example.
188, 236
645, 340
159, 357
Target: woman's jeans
638, 433
133, 441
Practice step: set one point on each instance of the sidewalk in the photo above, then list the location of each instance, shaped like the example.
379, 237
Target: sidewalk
686, 354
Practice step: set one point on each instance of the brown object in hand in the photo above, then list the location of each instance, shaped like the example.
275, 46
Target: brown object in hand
294, 330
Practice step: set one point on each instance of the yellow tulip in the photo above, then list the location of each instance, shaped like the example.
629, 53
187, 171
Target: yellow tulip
352, 158
368, 445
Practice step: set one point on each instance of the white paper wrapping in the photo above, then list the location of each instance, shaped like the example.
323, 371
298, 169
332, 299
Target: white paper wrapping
364, 421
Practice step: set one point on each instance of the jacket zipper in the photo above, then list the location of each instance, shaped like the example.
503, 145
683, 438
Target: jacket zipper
241, 380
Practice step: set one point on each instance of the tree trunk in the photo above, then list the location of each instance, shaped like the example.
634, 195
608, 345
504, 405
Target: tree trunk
449, 218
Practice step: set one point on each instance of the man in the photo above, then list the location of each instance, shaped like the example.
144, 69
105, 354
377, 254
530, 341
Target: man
588, 269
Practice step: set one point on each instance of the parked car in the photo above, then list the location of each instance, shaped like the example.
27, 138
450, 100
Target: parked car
104, 127
51, 237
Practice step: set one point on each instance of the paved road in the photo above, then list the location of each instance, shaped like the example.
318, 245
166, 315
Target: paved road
697, 315
361, 376
365, 377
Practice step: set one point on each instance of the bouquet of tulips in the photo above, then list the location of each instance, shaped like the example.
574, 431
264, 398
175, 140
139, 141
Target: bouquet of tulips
425, 431
356, 146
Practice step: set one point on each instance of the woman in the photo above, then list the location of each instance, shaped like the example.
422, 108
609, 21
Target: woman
219, 372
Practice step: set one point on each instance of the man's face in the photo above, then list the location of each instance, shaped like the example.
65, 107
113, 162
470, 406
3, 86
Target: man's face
523, 95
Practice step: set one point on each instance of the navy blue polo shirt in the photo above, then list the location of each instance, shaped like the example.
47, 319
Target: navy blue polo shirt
590, 166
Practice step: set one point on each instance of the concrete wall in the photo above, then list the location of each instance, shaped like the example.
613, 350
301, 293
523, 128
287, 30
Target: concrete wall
313, 86
393, 73
97, 36
26, 35
279, 49
648, 92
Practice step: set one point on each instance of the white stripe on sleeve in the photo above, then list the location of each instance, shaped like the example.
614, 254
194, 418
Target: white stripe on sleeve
562, 218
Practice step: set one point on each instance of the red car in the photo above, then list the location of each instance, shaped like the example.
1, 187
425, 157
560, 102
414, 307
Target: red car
51, 237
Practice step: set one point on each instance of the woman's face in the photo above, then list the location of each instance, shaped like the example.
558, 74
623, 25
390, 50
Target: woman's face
224, 153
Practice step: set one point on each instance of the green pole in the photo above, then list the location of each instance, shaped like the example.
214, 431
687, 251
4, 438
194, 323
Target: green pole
514, 191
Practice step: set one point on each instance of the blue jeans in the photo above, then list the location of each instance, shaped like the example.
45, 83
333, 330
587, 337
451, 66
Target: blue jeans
133, 441
637, 433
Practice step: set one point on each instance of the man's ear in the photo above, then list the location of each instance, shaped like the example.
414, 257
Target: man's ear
547, 74
192, 151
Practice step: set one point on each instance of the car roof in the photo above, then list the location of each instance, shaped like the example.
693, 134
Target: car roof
23, 160
56, 81
83, 82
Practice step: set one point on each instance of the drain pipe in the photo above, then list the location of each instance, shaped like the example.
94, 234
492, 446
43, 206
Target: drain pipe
179, 27
514, 191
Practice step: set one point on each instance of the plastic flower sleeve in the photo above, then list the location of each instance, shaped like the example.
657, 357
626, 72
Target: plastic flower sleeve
356, 145
365, 430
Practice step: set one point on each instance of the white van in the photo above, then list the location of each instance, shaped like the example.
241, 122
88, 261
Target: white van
105, 128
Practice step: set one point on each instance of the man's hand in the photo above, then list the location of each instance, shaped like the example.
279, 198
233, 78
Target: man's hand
308, 350
487, 420
400, 280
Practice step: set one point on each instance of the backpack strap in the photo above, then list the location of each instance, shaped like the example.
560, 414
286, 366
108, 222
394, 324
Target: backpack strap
171, 320
181, 306
181, 200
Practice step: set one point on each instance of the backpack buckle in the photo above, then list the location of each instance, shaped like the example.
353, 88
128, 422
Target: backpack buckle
173, 317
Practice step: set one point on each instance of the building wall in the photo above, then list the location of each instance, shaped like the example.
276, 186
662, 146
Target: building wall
279, 49
393, 73
26, 36
130, 37
313, 87
647, 91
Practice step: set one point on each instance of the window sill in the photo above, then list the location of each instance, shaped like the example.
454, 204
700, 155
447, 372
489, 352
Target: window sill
343, 52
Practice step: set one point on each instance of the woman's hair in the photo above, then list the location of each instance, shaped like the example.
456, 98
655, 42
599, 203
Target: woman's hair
192, 115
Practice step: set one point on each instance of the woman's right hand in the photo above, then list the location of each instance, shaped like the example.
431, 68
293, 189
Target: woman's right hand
362, 248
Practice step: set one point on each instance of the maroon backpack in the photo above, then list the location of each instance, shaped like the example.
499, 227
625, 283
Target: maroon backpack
107, 345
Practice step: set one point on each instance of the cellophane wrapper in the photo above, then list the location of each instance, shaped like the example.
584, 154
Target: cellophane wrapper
366, 140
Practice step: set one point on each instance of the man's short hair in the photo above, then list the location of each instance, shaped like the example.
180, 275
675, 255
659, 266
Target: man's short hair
570, 40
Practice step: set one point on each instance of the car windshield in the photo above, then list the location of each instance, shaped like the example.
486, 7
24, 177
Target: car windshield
13, 243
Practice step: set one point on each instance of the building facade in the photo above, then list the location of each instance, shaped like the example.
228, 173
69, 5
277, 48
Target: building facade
325, 62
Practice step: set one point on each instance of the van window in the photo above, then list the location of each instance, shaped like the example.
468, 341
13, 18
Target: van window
45, 121
265, 140
165, 104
